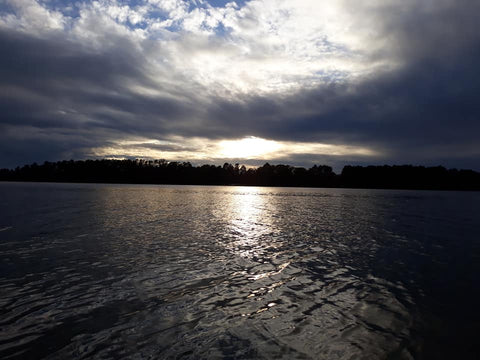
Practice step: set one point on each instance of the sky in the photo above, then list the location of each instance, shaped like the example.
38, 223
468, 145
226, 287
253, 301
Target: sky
296, 82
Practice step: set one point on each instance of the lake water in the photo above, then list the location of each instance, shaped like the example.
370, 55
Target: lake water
192, 272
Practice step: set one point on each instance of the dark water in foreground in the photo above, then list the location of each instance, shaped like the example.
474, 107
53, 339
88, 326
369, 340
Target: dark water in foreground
110, 271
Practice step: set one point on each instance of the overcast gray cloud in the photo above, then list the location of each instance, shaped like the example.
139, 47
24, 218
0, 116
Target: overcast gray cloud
341, 82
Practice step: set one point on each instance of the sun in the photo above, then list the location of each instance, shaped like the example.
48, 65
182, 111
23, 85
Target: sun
247, 148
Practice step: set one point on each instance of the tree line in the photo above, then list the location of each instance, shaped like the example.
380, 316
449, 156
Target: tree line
173, 172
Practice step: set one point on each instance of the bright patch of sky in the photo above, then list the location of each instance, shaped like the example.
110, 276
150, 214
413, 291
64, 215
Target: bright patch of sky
203, 149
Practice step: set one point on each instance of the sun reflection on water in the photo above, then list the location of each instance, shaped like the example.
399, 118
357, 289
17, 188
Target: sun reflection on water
250, 220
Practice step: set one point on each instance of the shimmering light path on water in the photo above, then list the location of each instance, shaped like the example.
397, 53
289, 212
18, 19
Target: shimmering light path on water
111, 271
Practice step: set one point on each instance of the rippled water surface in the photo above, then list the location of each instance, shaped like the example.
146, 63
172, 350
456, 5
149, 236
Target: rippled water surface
112, 271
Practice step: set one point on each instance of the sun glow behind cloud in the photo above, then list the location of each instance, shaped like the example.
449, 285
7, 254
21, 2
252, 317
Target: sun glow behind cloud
250, 147
202, 149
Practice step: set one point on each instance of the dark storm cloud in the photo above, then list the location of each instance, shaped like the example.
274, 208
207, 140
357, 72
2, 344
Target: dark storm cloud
54, 85
426, 111
51, 74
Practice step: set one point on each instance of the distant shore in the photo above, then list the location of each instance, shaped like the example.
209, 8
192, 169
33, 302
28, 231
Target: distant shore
183, 173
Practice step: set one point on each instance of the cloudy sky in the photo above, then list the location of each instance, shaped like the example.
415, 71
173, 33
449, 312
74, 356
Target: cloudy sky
301, 82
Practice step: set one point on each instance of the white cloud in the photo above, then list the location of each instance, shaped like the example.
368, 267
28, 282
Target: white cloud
264, 46
31, 16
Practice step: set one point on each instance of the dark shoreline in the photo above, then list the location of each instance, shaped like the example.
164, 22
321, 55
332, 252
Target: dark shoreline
161, 172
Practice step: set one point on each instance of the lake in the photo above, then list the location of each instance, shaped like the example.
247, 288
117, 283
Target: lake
199, 272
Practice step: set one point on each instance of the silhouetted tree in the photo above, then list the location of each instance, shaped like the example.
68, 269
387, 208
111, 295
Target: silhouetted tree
165, 172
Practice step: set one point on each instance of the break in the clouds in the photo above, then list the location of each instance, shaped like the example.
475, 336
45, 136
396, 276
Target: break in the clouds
303, 82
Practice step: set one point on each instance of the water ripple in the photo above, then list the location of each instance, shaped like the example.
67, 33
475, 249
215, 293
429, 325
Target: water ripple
103, 271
